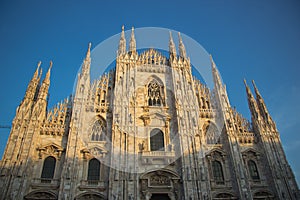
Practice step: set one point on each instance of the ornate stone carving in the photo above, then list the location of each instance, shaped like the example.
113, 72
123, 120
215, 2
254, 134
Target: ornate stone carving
51, 150
160, 180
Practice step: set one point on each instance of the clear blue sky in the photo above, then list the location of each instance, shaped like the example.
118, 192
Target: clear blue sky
251, 39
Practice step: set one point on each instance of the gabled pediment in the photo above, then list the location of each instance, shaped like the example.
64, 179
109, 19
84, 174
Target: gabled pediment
216, 152
51, 145
50, 149
155, 116
251, 151
158, 115
94, 151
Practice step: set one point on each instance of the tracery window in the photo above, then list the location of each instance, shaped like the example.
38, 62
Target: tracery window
253, 170
48, 168
212, 134
93, 171
154, 94
217, 172
98, 131
157, 140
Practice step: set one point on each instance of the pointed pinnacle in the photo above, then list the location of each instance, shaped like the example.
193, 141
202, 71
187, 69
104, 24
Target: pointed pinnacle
170, 34
258, 95
132, 34
179, 36
249, 93
245, 83
132, 45
36, 73
47, 78
255, 88
88, 53
122, 33
172, 48
213, 64
41, 72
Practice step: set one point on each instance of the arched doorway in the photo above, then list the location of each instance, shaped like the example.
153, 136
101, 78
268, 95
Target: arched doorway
41, 195
160, 197
160, 184
89, 196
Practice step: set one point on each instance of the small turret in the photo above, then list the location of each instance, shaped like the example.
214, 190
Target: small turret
122, 43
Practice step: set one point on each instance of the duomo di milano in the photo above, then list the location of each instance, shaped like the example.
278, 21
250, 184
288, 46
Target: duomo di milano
146, 130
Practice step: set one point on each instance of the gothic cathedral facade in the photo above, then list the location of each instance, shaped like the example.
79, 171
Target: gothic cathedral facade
146, 130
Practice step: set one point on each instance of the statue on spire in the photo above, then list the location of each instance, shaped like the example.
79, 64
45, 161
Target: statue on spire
172, 48
182, 52
132, 44
122, 43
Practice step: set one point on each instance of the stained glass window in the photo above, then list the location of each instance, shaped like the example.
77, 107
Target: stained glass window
154, 94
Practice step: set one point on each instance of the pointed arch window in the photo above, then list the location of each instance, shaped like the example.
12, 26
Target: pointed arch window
212, 134
157, 140
93, 171
48, 169
154, 94
253, 170
98, 131
218, 172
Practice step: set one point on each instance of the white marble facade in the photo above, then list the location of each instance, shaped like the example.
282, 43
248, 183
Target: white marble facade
145, 130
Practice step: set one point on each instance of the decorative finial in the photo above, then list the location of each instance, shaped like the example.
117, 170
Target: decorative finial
253, 83
36, 73
213, 64
47, 78
122, 27
257, 93
245, 82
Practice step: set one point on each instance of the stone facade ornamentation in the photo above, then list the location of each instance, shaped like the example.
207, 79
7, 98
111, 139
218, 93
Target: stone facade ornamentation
147, 129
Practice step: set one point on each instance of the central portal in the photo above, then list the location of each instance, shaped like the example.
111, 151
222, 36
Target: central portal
160, 197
